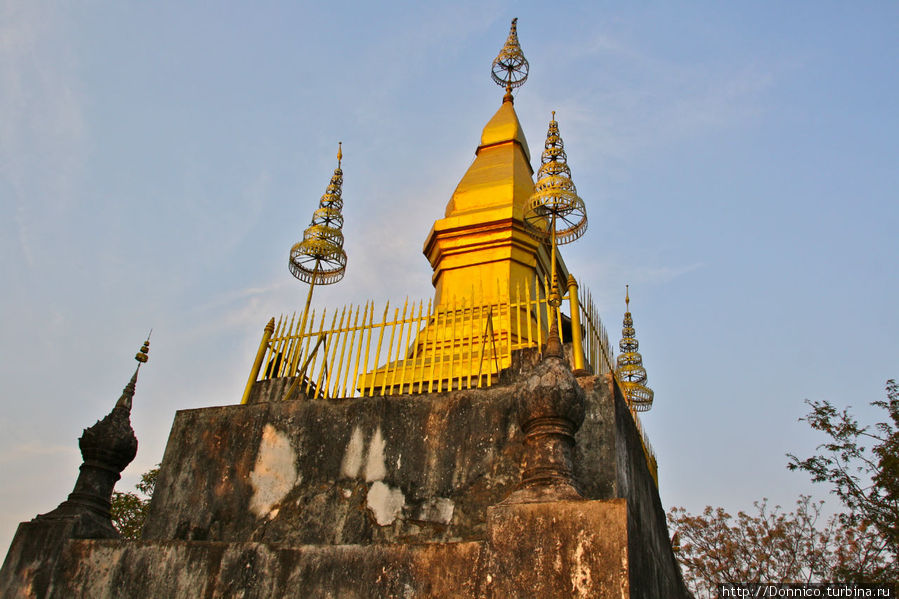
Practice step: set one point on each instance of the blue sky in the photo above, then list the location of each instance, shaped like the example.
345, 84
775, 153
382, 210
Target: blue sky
157, 161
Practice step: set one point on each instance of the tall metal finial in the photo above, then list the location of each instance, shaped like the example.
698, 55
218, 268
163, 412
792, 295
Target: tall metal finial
630, 369
319, 258
510, 68
555, 213
555, 209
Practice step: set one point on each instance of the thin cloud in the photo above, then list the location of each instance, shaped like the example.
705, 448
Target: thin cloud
27, 451
611, 273
648, 100
663, 274
42, 127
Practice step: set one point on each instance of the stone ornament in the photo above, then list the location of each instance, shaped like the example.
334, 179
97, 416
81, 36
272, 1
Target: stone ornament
550, 405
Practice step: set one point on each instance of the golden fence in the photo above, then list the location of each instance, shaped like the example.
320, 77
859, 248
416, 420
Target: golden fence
360, 351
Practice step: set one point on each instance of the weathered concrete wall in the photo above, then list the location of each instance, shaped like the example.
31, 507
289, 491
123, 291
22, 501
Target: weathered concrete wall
377, 497
31, 561
413, 468
560, 549
333, 472
190, 570
654, 570
576, 549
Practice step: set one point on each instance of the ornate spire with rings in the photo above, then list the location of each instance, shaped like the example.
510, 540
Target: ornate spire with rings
555, 213
319, 258
510, 67
555, 194
630, 371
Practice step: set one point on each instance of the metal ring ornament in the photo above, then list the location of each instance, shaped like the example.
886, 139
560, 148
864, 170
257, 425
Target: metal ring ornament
510, 71
319, 259
570, 217
318, 263
629, 367
639, 396
510, 67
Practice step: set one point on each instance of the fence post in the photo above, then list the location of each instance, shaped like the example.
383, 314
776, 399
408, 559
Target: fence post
257, 363
577, 344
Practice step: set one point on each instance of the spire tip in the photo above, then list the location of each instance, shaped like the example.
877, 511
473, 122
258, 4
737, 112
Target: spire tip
143, 355
630, 370
510, 67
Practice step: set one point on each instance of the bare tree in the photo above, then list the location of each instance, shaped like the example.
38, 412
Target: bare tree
767, 545
861, 465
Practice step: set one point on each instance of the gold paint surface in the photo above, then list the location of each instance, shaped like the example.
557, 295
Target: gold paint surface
502, 127
501, 174
480, 250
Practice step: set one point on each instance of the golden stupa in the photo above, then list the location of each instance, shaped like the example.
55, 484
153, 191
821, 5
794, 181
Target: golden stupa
482, 251
499, 281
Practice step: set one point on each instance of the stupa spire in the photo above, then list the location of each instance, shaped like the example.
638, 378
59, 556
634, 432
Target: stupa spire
555, 193
319, 258
510, 67
555, 213
631, 372
482, 236
128, 392
107, 448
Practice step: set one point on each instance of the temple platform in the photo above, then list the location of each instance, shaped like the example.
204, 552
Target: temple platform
399, 496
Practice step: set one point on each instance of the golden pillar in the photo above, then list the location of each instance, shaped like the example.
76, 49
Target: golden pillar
577, 341
257, 363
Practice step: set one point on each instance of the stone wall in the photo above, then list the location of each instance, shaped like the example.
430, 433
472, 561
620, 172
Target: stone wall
413, 468
386, 469
575, 549
191, 570
376, 497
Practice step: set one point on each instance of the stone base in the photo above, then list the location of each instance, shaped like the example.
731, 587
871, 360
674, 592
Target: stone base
534, 550
407, 496
31, 562
560, 549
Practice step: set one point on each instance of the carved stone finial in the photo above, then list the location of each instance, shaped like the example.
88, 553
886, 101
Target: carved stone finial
550, 405
553, 347
128, 393
107, 448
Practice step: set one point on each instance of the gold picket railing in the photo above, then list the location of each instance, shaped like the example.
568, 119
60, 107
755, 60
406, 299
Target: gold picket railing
358, 351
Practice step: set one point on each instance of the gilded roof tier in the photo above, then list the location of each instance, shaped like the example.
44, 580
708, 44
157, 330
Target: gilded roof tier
501, 174
504, 127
